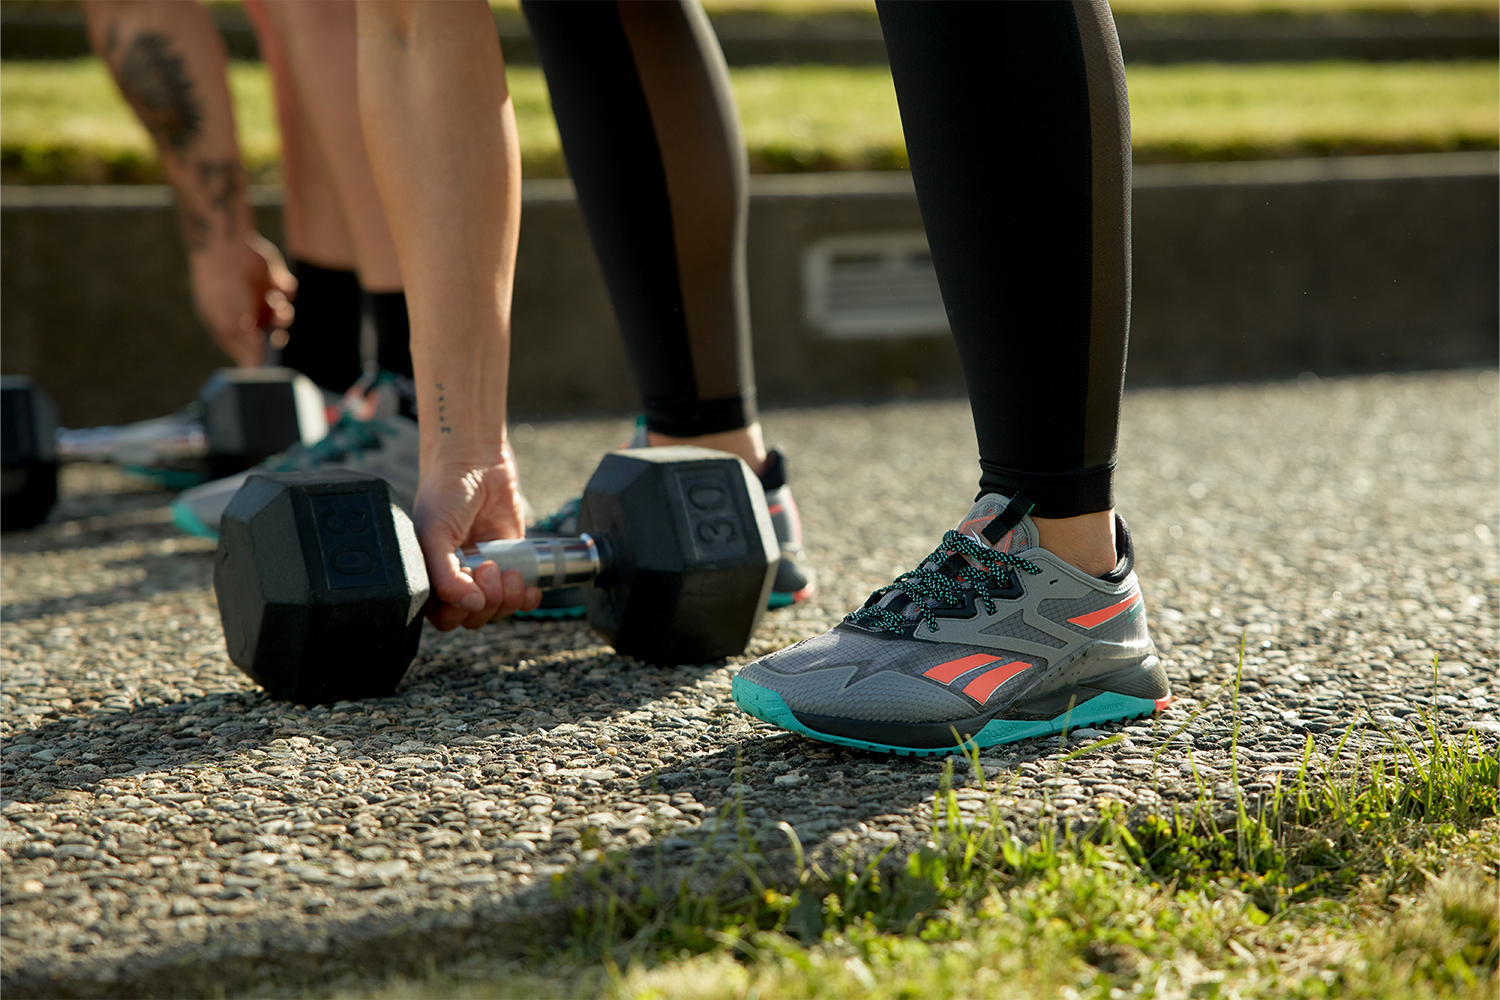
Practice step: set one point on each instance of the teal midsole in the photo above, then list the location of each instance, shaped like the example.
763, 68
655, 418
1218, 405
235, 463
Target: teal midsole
189, 522
172, 479
769, 706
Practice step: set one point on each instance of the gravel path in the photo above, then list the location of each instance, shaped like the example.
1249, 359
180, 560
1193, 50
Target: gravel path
166, 828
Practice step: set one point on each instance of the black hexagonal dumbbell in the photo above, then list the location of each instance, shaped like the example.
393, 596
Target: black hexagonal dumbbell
241, 417
321, 583
28, 453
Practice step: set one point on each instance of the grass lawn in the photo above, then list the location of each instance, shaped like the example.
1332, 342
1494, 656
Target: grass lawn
64, 122
804, 8
1375, 879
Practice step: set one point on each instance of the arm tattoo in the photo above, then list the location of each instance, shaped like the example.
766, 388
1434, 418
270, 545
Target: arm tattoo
196, 229
222, 182
443, 427
155, 81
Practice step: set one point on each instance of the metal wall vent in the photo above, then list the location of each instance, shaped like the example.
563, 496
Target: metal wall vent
872, 285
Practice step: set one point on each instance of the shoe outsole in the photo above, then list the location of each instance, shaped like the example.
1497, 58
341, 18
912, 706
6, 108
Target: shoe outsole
171, 479
768, 706
552, 614
187, 521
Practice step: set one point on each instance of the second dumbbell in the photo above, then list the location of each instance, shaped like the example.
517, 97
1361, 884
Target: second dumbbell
242, 416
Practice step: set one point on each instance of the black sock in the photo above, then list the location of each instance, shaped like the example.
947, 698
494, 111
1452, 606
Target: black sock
323, 340
393, 343
392, 331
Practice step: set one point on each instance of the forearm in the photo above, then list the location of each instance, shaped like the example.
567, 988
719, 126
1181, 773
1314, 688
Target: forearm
170, 64
441, 134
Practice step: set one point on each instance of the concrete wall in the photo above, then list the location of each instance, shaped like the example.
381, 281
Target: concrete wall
1242, 271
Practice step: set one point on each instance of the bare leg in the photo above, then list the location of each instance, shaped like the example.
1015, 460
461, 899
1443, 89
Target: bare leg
746, 442
1086, 541
318, 40
313, 217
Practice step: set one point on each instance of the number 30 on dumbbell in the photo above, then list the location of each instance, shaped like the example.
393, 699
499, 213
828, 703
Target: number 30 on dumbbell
321, 583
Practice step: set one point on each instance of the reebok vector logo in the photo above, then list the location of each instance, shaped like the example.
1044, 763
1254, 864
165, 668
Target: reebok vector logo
982, 686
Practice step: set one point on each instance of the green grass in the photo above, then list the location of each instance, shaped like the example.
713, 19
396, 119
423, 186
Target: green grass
1251, 111
1376, 881
65, 123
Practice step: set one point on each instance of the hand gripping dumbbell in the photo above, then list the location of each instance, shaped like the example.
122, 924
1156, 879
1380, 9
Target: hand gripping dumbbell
321, 583
242, 416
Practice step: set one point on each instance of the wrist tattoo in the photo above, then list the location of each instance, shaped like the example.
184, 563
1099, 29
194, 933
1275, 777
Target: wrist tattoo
443, 427
222, 182
197, 230
155, 81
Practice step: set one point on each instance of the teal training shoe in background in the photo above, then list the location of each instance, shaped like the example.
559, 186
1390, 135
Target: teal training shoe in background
377, 440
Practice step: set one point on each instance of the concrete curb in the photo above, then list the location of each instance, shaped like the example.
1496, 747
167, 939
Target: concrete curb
1242, 270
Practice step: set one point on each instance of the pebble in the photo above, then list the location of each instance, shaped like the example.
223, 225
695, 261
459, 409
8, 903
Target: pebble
1299, 582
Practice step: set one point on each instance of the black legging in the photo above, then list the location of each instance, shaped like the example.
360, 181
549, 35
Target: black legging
1018, 129
1017, 126
652, 138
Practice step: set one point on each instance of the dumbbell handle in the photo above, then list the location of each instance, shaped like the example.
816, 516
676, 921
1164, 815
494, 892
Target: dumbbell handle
146, 443
548, 563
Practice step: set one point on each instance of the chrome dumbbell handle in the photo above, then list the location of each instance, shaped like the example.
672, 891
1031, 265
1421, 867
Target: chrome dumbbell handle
149, 442
548, 563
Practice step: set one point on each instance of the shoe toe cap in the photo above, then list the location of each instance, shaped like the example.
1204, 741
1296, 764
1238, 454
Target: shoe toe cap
883, 696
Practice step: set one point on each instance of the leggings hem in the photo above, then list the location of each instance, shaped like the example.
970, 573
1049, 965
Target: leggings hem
694, 417
1056, 494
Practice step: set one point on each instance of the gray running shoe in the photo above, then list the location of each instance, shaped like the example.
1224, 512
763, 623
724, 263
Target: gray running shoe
992, 639
372, 436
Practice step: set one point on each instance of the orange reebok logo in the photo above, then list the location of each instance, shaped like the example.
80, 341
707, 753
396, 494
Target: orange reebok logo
981, 687
1103, 615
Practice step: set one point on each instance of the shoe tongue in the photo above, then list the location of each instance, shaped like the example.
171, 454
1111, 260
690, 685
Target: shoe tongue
985, 510
382, 401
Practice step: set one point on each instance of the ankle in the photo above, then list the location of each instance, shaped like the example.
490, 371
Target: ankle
746, 442
1086, 542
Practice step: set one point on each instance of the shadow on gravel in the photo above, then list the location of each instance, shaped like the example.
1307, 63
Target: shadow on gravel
516, 681
160, 573
88, 533
746, 783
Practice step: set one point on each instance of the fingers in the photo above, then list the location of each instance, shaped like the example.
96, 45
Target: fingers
280, 275
275, 286
473, 599
276, 312
457, 505
455, 593
246, 346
